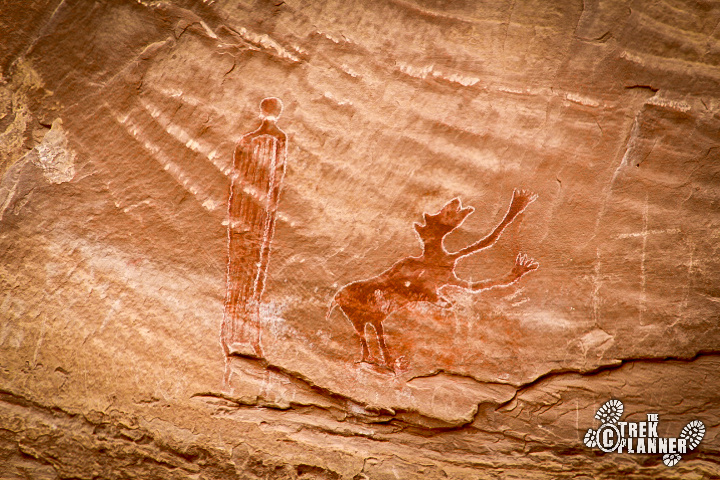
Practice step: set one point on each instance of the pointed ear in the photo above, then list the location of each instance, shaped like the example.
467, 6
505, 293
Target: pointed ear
454, 204
419, 228
467, 210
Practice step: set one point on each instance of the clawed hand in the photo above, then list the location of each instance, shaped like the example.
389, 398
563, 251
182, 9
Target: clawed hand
521, 199
523, 265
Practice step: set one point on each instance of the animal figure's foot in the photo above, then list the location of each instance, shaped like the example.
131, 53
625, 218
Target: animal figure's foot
376, 365
366, 361
443, 303
385, 367
401, 364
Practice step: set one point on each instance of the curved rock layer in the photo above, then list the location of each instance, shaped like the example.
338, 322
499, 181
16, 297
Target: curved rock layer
119, 122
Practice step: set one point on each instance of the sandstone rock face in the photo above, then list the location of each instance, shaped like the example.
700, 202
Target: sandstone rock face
119, 124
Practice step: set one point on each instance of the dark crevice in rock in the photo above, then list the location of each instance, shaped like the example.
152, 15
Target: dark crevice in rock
607, 368
642, 87
306, 383
389, 421
451, 373
317, 472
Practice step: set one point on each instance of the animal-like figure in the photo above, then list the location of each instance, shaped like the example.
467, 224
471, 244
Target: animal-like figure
420, 279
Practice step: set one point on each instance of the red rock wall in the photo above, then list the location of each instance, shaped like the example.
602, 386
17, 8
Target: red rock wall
118, 124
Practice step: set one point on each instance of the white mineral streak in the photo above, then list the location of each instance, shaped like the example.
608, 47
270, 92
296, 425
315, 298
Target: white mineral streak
347, 69
413, 71
330, 37
649, 232
431, 70
191, 100
197, 146
334, 99
582, 100
168, 165
680, 106
266, 42
513, 90
207, 29
463, 80
672, 65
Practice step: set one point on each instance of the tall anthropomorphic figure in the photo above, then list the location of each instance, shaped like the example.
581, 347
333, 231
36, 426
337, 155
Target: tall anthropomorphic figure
257, 175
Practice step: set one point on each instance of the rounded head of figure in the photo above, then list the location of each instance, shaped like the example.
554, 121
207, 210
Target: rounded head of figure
271, 108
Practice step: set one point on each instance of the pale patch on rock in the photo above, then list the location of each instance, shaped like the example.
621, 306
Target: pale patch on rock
54, 156
454, 399
546, 319
597, 340
267, 43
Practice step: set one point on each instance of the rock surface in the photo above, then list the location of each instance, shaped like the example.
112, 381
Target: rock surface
117, 130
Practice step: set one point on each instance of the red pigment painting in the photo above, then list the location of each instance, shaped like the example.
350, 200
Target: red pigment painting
258, 169
420, 279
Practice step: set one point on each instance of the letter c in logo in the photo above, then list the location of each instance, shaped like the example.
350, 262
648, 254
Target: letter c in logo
608, 437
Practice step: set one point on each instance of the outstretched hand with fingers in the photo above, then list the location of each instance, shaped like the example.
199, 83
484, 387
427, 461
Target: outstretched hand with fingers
523, 265
520, 200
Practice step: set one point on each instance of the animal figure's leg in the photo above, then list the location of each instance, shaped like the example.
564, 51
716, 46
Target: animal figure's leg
387, 359
252, 327
363, 343
358, 322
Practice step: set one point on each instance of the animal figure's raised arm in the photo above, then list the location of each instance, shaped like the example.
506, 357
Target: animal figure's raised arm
523, 265
520, 200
